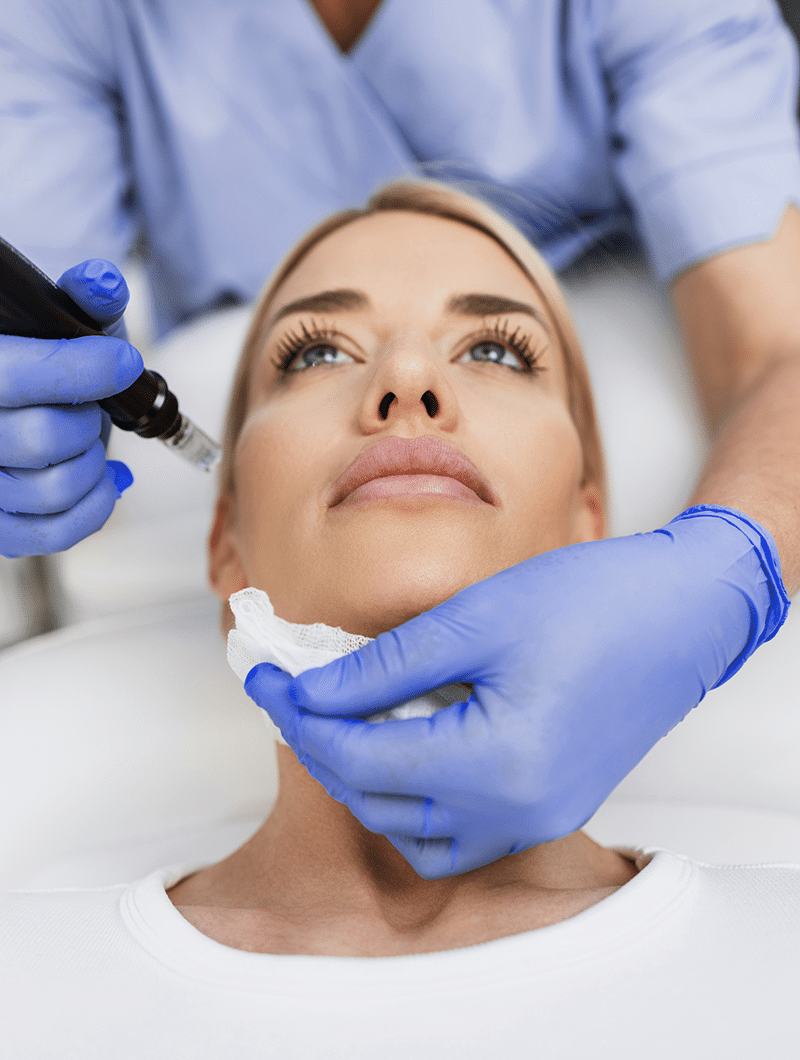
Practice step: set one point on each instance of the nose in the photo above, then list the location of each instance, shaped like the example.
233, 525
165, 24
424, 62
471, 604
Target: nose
409, 388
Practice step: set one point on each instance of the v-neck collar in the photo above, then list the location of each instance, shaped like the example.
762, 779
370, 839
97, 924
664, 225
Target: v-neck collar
390, 153
348, 57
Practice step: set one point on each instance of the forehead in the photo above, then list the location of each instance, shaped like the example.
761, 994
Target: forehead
403, 258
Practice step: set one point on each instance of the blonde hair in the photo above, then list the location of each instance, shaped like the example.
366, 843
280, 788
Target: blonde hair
438, 200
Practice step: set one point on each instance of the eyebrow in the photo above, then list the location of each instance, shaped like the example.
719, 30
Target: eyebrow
471, 305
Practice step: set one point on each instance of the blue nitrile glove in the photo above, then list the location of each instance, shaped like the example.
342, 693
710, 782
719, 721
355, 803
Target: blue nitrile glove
581, 660
56, 486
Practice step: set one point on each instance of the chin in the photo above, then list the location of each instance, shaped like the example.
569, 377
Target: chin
389, 572
370, 604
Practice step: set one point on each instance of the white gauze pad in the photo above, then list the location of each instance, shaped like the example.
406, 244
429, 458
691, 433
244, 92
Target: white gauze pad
260, 636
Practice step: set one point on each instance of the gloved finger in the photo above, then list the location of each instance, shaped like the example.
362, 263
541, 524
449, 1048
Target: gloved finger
379, 813
401, 814
394, 758
438, 859
43, 535
99, 288
53, 489
475, 839
105, 428
40, 435
431, 859
271, 689
423, 654
65, 371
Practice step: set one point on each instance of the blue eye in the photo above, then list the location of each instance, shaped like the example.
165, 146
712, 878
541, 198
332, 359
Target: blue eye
298, 352
496, 353
316, 355
313, 348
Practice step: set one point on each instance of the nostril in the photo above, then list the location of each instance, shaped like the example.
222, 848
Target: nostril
383, 408
431, 403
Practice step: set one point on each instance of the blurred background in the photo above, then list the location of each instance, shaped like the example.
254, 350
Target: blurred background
791, 13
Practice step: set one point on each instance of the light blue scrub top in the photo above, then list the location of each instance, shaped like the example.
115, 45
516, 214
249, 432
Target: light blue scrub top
219, 131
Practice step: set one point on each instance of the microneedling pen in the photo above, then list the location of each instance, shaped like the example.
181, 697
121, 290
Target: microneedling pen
32, 306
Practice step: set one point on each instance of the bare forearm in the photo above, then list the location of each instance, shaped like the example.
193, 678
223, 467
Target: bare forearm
754, 464
739, 314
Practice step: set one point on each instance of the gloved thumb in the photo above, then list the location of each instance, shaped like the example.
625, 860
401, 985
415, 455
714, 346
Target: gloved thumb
100, 289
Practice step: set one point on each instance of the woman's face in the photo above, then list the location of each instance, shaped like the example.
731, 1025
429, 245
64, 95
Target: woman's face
416, 368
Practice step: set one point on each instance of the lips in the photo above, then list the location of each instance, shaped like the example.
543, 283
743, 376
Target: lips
411, 456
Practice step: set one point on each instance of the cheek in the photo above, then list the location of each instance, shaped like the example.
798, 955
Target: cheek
275, 445
280, 475
270, 468
545, 474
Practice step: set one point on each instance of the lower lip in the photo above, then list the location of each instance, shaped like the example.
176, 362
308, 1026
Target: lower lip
434, 486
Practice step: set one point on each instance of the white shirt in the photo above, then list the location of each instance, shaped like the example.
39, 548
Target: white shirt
685, 961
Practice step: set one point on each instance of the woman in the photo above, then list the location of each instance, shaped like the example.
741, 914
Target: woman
411, 414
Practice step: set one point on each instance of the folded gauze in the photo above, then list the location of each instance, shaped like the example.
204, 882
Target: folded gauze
260, 636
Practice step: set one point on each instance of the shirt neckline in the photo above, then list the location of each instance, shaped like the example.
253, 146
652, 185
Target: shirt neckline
615, 922
312, 16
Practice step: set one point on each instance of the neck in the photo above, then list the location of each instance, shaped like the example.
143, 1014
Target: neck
336, 888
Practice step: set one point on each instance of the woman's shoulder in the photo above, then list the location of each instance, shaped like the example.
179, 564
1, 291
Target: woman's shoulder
31, 921
768, 886
91, 921
56, 943
740, 899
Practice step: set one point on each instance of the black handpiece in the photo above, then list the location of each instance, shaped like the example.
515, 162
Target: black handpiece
31, 305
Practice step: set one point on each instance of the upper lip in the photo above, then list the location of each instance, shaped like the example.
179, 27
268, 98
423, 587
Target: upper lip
411, 456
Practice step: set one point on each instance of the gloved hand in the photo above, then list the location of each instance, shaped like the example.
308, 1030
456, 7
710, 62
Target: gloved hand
581, 660
56, 487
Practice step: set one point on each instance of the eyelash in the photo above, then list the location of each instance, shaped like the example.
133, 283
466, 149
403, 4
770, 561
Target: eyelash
293, 344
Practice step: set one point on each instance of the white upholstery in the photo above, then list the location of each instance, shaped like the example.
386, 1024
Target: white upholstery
121, 731
126, 743
12, 606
